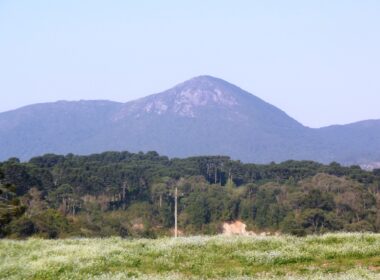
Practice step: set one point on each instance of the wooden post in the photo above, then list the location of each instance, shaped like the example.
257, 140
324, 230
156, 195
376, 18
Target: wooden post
124, 194
175, 213
216, 174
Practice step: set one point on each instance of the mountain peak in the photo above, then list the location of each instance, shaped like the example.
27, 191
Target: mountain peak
188, 98
207, 84
204, 96
204, 80
203, 91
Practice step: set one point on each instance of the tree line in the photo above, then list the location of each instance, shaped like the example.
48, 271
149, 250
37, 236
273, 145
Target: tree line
132, 195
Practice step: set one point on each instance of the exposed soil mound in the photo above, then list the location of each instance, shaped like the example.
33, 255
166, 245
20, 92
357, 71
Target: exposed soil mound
240, 228
235, 228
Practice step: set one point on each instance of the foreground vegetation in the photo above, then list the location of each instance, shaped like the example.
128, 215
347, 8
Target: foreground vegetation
131, 195
331, 256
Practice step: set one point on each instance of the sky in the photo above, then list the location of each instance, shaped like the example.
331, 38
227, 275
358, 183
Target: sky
317, 60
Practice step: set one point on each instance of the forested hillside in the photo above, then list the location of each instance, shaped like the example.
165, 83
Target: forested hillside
131, 194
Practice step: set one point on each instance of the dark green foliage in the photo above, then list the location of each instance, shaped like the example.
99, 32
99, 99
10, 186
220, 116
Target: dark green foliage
10, 206
130, 194
292, 226
48, 224
198, 210
317, 199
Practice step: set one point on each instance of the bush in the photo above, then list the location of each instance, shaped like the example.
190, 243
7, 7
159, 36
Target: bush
21, 228
361, 226
292, 226
50, 224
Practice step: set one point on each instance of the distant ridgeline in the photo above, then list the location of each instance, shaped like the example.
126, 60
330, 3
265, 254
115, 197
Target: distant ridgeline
202, 116
131, 194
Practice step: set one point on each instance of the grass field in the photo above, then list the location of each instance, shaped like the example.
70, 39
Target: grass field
332, 256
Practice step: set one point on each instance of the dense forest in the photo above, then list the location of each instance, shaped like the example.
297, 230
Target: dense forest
132, 195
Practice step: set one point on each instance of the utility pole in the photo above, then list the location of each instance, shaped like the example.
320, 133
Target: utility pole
175, 212
216, 174
124, 194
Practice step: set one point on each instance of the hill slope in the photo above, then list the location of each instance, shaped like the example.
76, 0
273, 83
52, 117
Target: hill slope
204, 115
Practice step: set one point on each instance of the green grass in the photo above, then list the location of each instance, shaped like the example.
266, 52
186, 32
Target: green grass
332, 256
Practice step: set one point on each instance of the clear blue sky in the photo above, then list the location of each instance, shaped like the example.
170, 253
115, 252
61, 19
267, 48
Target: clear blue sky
317, 60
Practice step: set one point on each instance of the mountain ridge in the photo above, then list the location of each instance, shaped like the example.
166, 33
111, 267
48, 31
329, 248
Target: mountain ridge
203, 115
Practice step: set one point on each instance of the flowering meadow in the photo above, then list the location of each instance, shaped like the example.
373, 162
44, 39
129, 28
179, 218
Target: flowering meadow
338, 256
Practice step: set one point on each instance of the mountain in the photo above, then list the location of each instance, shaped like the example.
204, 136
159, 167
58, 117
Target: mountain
202, 116
59, 127
353, 143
